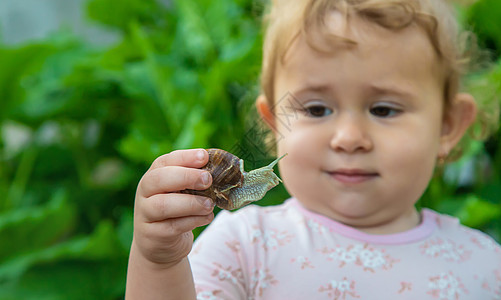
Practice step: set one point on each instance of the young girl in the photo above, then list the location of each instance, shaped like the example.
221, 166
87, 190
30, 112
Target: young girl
371, 91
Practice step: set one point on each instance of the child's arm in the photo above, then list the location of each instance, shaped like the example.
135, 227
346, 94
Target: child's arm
148, 281
163, 220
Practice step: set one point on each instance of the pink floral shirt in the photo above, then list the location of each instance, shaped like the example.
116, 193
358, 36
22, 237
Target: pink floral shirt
288, 252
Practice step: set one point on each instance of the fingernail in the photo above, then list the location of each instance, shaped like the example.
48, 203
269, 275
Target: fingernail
200, 155
205, 178
208, 203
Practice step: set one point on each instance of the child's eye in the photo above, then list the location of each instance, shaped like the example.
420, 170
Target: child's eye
317, 111
384, 111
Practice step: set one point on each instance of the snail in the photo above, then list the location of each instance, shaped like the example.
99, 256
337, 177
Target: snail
232, 187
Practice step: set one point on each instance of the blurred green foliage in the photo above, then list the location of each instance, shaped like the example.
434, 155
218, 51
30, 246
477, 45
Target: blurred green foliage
81, 124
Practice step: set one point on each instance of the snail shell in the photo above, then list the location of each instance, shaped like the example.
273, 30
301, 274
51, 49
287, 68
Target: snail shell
232, 187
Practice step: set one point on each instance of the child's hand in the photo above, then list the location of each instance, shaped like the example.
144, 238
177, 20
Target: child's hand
164, 219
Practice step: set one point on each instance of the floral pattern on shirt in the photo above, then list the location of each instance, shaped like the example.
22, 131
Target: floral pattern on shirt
304, 262
364, 256
484, 242
261, 280
209, 295
235, 276
405, 286
446, 249
446, 286
316, 227
493, 289
234, 245
496, 290
270, 238
340, 289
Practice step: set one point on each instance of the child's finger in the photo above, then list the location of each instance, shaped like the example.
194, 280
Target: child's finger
161, 207
172, 179
173, 228
192, 158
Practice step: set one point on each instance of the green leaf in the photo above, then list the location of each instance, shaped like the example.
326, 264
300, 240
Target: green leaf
119, 15
32, 228
484, 15
476, 212
16, 65
139, 148
192, 24
102, 244
84, 268
46, 91
161, 91
125, 227
196, 131
72, 279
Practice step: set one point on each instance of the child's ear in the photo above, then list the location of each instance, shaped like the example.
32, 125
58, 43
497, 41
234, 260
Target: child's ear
264, 110
457, 118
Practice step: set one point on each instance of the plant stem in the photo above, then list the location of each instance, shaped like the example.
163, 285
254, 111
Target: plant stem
20, 181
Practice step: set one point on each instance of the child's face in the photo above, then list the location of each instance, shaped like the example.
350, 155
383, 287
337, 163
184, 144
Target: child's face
365, 146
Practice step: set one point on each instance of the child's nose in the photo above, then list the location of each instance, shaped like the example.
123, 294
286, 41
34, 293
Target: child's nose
350, 135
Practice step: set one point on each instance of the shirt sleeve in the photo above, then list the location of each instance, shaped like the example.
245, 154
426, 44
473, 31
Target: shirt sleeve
218, 262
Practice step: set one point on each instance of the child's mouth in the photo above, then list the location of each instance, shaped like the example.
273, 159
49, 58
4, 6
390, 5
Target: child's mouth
353, 176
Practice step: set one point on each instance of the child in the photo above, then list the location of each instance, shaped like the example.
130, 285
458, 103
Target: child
373, 88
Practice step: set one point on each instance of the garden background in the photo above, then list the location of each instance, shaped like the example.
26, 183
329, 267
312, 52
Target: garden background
80, 123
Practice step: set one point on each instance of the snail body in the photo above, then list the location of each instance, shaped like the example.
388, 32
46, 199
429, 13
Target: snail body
232, 187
